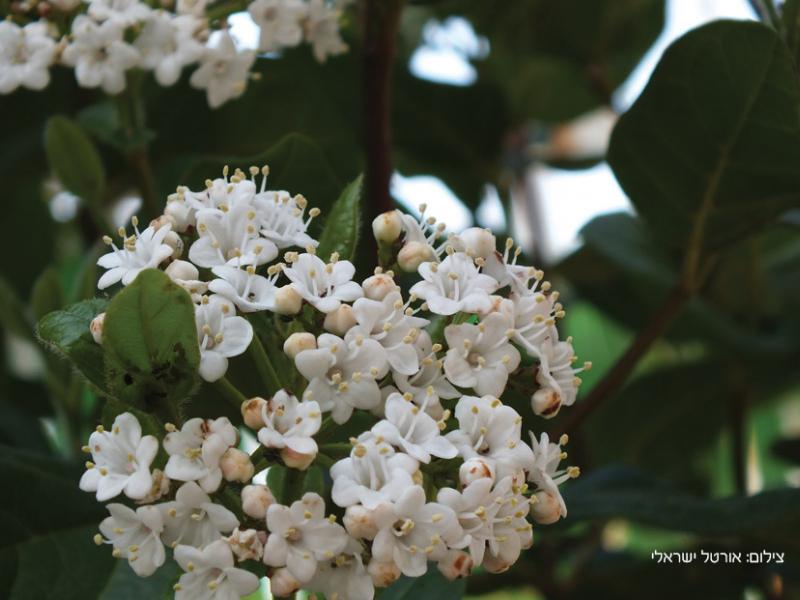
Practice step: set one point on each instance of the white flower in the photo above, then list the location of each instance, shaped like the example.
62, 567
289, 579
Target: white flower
223, 71
409, 427
454, 285
26, 54
99, 54
388, 323
221, 335
489, 515
122, 12
121, 460
280, 22
301, 535
374, 474
210, 574
135, 536
416, 532
545, 474
193, 519
186, 275
533, 318
480, 356
195, 451
488, 428
344, 577
167, 44
247, 544
556, 372
322, 30
428, 385
283, 218
290, 424
142, 250
342, 374
324, 286
247, 290
512, 533
230, 236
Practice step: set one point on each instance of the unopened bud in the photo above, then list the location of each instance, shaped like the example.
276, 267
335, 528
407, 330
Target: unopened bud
96, 327
297, 342
287, 301
546, 402
546, 509
246, 545
387, 227
174, 241
497, 564
252, 413
383, 574
182, 270
477, 242
256, 499
160, 221
340, 321
378, 286
236, 466
412, 255
360, 522
297, 460
455, 564
474, 469
282, 583
180, 214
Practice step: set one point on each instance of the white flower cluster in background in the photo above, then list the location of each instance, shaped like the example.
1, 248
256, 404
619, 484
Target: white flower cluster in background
441, 476
104, 39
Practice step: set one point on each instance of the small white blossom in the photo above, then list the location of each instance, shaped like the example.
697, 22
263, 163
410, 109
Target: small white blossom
344, 577
221, 335
280, 22
556, 372
167, 44
324, 286
545, 474
230, 236
342, 374
289, 423
454, 285
210, 574
247, 290
373, 474
135, 536
123, 12
301, 536
409, 427
100, 55
283, 218
223, 71
322, 30
195, 451
121, 460
480, 356
140, 251
193, 519
26, 54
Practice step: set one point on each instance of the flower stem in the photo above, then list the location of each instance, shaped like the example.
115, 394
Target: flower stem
231, 392
264, 365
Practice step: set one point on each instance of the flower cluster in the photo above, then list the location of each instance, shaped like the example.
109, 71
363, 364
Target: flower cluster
104, 39
441, 473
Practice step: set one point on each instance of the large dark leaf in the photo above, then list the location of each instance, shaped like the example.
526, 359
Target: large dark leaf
342, 224
709, 152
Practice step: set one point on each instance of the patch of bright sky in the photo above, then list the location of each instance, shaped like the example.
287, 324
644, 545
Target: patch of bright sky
570, 199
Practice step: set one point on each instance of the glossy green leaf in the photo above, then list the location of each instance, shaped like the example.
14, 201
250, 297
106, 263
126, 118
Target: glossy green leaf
67, 332
150, 343
709, 151
74, 159
342, 224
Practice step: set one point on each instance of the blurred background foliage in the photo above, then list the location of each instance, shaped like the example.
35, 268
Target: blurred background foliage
688, 428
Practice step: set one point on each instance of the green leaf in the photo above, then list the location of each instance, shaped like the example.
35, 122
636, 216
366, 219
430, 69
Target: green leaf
276, 481
67, 332
150, 343
709, 151
343, 223
617, 492
431, 585
314, 480
74, 159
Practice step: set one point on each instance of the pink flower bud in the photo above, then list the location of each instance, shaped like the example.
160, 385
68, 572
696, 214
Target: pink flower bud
387, 227
360, 522
252, 414
546, 402
340, 321
383, 574
297, 342
246, 545
287, 301
455, 564
478, 242
546, 509
297, 460
282, 583
256, 499
474, 469
236, 466
96, 327
412, 255
378, 286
